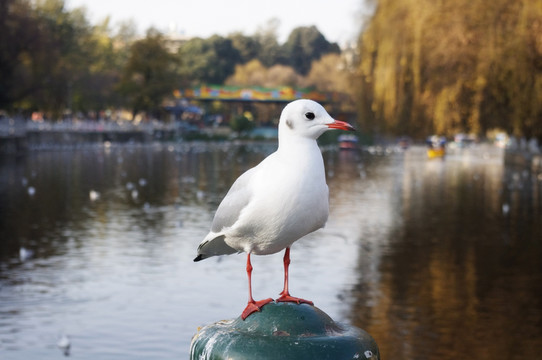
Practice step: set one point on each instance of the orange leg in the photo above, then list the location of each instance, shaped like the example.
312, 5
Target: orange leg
252, 305
285, 294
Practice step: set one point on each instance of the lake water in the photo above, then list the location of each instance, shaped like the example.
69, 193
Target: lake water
436, 259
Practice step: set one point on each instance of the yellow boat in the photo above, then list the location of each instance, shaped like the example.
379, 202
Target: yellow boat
435, 152
436, 146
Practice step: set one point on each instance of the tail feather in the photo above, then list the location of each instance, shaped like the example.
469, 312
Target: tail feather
213, 247
199, 257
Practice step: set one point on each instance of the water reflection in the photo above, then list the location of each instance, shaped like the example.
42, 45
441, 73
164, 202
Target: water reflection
114, 271
436, 259
459, 278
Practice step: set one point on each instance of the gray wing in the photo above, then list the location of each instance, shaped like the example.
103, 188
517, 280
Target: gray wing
233, 203
226, 215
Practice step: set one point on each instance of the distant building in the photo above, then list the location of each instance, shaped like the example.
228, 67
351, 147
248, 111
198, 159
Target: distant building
175, 39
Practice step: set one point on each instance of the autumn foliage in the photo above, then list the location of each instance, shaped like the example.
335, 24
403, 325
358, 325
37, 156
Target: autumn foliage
448, 66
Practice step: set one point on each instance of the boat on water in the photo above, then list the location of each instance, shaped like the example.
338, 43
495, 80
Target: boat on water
435, 153
348, 142
436, 146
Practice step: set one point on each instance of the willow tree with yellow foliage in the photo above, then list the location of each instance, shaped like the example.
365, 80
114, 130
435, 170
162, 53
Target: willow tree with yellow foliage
452, 65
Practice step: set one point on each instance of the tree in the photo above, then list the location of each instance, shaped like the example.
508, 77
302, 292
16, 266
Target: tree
208, 60
271, 53
282, 75
94, 88
41, 54
328, 74
62, 58
450, 66
331, 74
149, 75
304, 45
254, 73
247, 46
16, 32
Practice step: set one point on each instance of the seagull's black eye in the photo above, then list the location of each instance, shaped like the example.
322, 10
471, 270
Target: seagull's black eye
309, 115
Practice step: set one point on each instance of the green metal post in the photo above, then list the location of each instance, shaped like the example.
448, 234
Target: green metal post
283, 331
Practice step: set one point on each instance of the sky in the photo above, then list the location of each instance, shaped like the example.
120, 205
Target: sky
338, 20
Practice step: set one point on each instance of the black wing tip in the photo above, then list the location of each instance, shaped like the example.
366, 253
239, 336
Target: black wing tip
199, 257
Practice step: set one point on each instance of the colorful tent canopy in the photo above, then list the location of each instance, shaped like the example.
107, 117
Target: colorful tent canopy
253, 93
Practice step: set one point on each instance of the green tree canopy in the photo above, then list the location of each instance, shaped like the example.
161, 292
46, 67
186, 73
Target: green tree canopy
150, 74
209, 60
271, 52
17, 32
41, 54
305, 45
247, 46
52, 60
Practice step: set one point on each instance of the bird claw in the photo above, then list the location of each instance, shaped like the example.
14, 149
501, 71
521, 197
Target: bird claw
254, 306
288, 298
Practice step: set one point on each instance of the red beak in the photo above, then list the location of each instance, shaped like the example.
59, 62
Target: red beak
341, 125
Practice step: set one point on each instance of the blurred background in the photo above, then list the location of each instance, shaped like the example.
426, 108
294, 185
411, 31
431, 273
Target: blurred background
120, 133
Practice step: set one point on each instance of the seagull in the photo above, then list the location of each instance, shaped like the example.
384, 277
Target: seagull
277, 202
25, 254
64, 344
93, 195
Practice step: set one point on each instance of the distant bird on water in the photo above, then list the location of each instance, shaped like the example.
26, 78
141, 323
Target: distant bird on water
93, 195
282, 199
25, 254
64, 344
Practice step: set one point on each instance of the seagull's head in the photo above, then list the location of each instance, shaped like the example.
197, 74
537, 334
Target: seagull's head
307, 118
